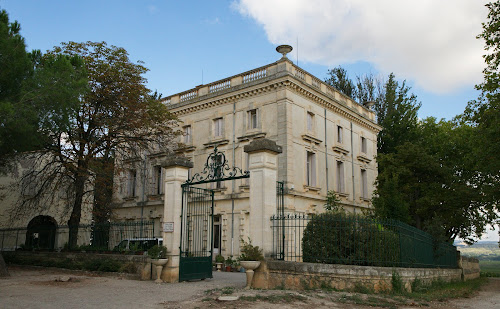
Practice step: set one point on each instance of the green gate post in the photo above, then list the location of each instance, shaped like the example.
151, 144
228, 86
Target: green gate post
176, 173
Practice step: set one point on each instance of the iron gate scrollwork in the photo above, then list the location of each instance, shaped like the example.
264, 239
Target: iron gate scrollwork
196, 247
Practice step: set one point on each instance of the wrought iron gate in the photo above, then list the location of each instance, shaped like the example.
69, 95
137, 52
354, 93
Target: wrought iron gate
196, 248
196, 233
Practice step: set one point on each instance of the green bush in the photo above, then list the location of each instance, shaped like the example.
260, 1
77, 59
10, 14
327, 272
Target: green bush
340, 238
250, 252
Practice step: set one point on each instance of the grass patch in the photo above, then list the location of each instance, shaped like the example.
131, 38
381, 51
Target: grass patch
371, 301
489, 268
440, 290
101, 264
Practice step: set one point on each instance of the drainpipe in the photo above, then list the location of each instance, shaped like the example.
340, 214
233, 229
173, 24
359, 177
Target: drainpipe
233, 181
352, 164
143, 198
326, 155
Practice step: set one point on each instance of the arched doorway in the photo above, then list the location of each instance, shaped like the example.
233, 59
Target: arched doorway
41, 233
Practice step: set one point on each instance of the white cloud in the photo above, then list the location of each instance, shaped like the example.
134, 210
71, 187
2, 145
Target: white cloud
430, 42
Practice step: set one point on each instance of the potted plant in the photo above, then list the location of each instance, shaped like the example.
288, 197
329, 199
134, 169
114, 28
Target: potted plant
229, 263
219, 259
158, 255
250, 259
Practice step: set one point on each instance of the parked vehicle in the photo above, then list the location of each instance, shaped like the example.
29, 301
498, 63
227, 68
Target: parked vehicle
138, 244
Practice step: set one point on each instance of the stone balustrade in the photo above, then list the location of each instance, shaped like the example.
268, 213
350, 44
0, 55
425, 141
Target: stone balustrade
258, 75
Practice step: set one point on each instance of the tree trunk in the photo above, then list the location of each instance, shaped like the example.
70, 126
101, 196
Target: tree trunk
4, 272
76, 213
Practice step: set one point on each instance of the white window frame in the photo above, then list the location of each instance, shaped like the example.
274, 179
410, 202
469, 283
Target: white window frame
187, 135
340, 134
157, 180
310, 169
364, 184
218, 127
310, 122
253, 118
363, 145
340, 177
131, 183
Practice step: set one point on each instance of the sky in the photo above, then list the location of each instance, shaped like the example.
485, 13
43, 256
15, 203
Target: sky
430, 44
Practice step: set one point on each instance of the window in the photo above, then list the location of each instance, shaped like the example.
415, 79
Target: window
187, 135
364, 184
311, 169
157, 180
310, 122
340, 134
131, 182
252, 119
363, 144
340, 177
218, 127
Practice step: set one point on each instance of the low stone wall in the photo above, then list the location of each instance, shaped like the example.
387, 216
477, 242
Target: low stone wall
470, 268
294, 275
141, 263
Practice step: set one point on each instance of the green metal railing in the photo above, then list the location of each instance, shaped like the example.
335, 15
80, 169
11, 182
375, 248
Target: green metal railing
355, 240
102, 236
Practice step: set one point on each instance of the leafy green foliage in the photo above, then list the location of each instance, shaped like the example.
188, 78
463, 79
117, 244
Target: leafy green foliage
339, 79
157, 252
250, 252
484, 113
333, 202
94, 106
219, 259
340, 238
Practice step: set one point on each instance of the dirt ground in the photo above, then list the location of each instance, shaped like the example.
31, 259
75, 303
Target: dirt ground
50, 288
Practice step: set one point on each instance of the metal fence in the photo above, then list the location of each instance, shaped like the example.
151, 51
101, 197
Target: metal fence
356, 240
104, 236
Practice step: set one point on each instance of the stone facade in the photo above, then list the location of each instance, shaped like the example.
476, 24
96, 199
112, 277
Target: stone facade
328, 142
54, 206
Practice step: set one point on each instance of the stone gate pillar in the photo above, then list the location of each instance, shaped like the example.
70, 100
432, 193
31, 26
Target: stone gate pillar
176, 173
263, 167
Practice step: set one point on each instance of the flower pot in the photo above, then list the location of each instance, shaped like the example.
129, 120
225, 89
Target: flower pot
249, 266
219, 266
159, 263
228, 268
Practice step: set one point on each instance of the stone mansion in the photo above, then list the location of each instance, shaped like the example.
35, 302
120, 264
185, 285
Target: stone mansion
328, 142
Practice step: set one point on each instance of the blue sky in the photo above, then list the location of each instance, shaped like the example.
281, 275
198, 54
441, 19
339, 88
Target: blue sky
185, 43
429, 43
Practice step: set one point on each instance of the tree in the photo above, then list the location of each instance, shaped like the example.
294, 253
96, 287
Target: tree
397, 111
484, 113
18, 130
339, 79
430, 183
112, 113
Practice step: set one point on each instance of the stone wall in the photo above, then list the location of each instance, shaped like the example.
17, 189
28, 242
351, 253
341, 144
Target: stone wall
470, 268
293, 275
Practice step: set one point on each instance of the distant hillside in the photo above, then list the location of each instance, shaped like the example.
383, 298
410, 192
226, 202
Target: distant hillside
483, 250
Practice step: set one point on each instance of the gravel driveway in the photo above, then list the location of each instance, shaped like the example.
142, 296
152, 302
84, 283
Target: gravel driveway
38, 288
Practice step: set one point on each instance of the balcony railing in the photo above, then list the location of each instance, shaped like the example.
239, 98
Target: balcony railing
267, 71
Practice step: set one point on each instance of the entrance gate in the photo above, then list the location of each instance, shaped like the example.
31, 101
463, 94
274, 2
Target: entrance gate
196, 249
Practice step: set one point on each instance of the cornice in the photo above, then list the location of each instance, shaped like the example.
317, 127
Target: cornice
289, 83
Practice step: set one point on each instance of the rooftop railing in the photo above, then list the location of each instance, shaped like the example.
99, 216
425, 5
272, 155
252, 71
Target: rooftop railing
264, 72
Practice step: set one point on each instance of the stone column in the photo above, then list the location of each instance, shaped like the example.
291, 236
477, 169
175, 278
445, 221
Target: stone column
176, 173
263, 167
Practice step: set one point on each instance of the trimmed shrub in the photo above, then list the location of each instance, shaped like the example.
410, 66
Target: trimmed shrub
340, 238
